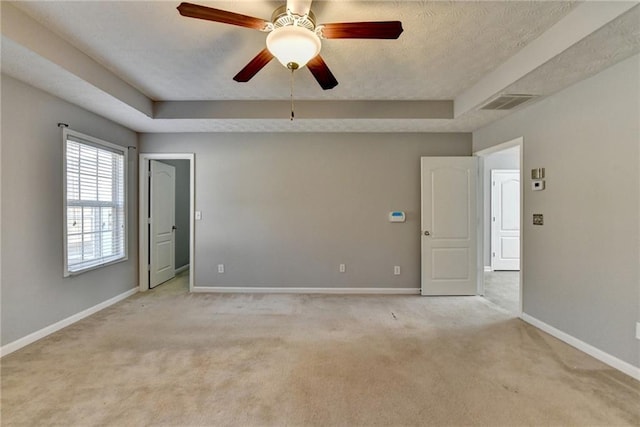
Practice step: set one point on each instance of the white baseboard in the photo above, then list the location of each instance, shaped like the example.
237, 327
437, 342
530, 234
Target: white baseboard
306, 290
35, 336
487, 269
614, 362
181, 269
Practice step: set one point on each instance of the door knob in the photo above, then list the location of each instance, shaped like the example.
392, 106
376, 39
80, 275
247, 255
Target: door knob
173, 227
426, 233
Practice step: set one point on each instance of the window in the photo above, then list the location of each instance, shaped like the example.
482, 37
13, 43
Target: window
95, 200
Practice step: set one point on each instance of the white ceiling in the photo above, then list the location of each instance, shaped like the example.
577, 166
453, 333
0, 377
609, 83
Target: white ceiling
448, 50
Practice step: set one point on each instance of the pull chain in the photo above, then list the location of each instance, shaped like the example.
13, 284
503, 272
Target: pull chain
292, 70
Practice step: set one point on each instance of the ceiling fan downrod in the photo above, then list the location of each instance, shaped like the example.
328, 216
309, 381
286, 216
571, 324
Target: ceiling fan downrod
293, 67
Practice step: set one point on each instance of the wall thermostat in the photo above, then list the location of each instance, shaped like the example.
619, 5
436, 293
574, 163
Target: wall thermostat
397, 216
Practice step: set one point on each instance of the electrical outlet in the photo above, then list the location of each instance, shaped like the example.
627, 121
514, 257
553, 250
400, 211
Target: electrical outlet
220, 268
396, 270
537, 185
198, 215
538, 219
342, 268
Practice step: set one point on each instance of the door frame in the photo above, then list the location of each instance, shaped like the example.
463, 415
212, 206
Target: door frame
143, 214
481, 154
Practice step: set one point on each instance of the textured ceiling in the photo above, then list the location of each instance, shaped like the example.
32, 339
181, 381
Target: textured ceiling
615, 42
444, 49
448, 50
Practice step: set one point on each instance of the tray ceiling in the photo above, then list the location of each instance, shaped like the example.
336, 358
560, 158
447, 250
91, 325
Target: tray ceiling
446, 50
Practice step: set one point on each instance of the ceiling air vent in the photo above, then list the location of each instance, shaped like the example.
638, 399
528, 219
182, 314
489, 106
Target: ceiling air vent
507, 102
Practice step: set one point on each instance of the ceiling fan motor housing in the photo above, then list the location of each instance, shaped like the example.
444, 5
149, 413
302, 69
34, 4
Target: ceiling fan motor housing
282, 17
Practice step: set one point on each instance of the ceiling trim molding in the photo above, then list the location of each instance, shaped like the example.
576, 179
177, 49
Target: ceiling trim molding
303, 109
38, 56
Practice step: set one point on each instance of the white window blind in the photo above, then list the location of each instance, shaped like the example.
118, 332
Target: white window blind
95, 202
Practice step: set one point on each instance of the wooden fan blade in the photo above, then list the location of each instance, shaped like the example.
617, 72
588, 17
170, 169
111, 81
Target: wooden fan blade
362, 30
322, 73
255, 65
210, 14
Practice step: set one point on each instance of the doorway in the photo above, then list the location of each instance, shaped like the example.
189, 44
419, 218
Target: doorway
501, 209
164, 254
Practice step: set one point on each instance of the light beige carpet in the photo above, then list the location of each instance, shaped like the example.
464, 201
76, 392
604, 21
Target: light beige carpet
503, 289
167, 357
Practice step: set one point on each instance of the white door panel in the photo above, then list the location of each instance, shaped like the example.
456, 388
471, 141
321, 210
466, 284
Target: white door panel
162, 248
505, 219
448, 237
510, 247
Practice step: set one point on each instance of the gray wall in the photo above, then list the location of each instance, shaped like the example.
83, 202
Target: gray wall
581, 270
287, 209
182, 211
34, 292
505, 159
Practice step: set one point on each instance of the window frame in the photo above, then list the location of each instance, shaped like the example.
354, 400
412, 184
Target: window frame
104, 145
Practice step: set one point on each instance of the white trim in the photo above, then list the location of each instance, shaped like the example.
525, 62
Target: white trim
181, 269
487, 269
479, 225
48, 330
500, 147
143, 191
614, 362
520, 142
305, 290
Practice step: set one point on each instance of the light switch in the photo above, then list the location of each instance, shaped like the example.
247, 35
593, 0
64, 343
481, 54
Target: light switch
537, 173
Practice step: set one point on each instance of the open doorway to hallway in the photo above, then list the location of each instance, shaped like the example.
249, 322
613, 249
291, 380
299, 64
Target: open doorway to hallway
501, 246
169, 219
166, 241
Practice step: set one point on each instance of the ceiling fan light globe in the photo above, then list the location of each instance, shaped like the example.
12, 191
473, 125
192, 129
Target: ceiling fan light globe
293, 44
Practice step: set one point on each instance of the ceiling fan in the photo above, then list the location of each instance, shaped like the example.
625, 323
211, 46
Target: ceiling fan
294, 37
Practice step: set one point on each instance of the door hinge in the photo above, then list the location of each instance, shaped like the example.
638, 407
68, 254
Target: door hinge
494, 183
494, 219
149, 174
148, 267
149, 220
494, 254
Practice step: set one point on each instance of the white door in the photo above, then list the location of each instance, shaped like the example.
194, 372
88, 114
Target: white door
505, 219
449, 263
162, 222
